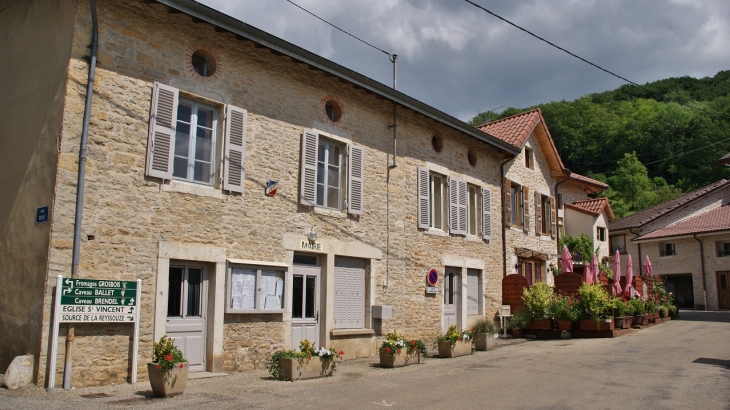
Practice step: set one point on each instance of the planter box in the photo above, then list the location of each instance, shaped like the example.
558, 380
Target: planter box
540, 324
294, 369
622, 322
590, 324
483, 341
516, 333
639, 320
399, 359
169, 384
566, 325
455, 350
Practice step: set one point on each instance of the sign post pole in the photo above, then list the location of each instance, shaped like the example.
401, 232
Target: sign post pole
51, 383
135, 346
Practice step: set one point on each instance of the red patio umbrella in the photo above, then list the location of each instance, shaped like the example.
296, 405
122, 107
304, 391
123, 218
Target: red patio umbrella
647, 266
629, 274
566, 260
588, 274
617, 271
596, 270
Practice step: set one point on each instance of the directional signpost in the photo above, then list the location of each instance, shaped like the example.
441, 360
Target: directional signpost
95, 301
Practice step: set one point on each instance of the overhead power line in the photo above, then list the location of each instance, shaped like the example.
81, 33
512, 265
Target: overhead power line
593, 64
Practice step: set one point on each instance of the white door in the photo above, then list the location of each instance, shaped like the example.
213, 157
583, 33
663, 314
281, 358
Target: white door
451, 298
186, 300
305, 305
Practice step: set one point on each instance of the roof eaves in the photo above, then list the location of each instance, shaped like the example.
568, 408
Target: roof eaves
217, 18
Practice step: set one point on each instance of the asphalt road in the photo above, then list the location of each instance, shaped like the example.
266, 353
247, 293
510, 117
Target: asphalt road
682, 364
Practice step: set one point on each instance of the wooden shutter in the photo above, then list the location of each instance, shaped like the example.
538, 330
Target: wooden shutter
349, 299
423, 199
235, 149
355, 184
310, 142
538, 213
458, 192
525, 209
553, 217
472, 292
161, 140
486, 214
507, 202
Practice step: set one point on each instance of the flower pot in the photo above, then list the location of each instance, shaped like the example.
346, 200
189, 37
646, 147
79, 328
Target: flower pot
639, 320
170, 383
300, 369
540, 324
461, 348
516, 333
621, 322
590, 324
483, 341
565, 325
399, 359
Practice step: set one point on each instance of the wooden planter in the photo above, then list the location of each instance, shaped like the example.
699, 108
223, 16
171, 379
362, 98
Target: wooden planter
565, 325
621, 322
296, 369
639, 320
399, 359
457, 349
169, 384
590, 324
516, 333
540, 324
483, 341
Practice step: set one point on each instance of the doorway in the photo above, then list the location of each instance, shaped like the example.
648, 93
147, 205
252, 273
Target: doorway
683, 290
305, 300
452, 288
723, 290
186, 316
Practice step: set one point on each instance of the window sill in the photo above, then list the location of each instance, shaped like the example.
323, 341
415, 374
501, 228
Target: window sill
436, 232
515, 229
473, 238
352, 332
545, 238
318, 210
190, 188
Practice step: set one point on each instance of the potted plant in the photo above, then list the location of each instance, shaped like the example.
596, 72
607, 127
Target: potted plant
537, 299
517, 322
396, 351
597, 306
169, 371
651, 309
307, 363
637, 307
619, 313
454, 343
564, 309
484, 331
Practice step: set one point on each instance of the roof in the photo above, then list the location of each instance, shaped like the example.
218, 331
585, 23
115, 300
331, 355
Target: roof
225, 23
514, 130
725, 160
648, 215
586, 180
715, 220
593, 207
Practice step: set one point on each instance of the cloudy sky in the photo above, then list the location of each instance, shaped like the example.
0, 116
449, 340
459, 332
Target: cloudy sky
463, 61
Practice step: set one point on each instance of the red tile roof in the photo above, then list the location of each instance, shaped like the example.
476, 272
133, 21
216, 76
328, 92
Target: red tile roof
593, 206
647, 215
587, 180
715, 220
515, 129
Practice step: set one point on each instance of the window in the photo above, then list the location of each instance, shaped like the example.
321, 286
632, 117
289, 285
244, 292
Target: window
473, 292
667, 249
617, 243
531, 270
472, 206
517, 205
349, 296
323, 174
528, 159
182, 140
543, 214
436, 196
723, 249
601, 233
256, 289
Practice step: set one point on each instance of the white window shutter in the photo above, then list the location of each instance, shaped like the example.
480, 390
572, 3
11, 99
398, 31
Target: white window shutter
424, 204
349, 300
472, 292
235, 149
486, 214
310, 143
161, 140
454, 206
355, 186
463, 195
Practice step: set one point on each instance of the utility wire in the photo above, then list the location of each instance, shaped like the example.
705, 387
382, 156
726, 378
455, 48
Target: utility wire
351, 35
594, 65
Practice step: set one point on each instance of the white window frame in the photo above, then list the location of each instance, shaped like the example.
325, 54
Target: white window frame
323, 200
259, 267
437, 187
601, 233
472, 210
195, 108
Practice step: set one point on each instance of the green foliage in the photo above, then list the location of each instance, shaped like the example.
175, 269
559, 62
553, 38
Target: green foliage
636, 306
580, 248
663, 311
306, 351
537, 298
519, 320
485, 326
564, 307
651, 306
620, 307
394, 343
453, 335
166, 355
594, 300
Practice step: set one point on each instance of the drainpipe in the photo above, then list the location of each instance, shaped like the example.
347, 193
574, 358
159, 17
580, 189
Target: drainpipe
80, 189
640, 260
504, 223
702, 259
387, 192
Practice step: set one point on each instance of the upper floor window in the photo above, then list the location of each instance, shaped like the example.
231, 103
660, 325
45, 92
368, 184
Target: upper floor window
436, 198
543, 214
472, 206
182, 140
516, 205
324, 176
667, 249
618, 242
529, 161
723, 249
601, 233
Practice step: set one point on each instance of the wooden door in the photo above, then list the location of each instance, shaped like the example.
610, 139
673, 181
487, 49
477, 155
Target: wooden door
305, 305
452, 289
723, 290
186, 301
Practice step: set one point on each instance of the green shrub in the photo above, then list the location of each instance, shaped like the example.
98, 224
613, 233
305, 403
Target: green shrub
564, 307
595, 301
485, 326
637, 306
619, 307
519, 320
537, 299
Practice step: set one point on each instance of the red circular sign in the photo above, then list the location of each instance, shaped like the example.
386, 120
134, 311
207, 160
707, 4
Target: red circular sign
433, 277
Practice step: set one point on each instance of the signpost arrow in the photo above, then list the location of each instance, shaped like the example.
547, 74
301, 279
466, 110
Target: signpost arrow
66, 291
131, 301
69, 282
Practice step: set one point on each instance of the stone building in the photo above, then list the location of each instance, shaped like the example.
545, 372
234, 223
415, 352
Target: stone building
248, 183
687, 240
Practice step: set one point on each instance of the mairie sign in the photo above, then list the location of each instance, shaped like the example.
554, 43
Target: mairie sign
98, 300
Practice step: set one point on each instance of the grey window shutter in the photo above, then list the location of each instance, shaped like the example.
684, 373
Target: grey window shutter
472, 292
349, 301
161, 140
463, 195
235, 149
554, 216
454, 206
526, 209
507, 202
355, 186
538, 213
310, 142
486, 214
424, 204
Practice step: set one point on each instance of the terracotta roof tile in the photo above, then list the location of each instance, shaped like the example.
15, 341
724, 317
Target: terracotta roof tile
594, 206
587, 180
717, 219
515, 129
650, 214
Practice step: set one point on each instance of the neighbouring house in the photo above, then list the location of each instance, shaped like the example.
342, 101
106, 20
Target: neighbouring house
590, 217
250, 185
688, 242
